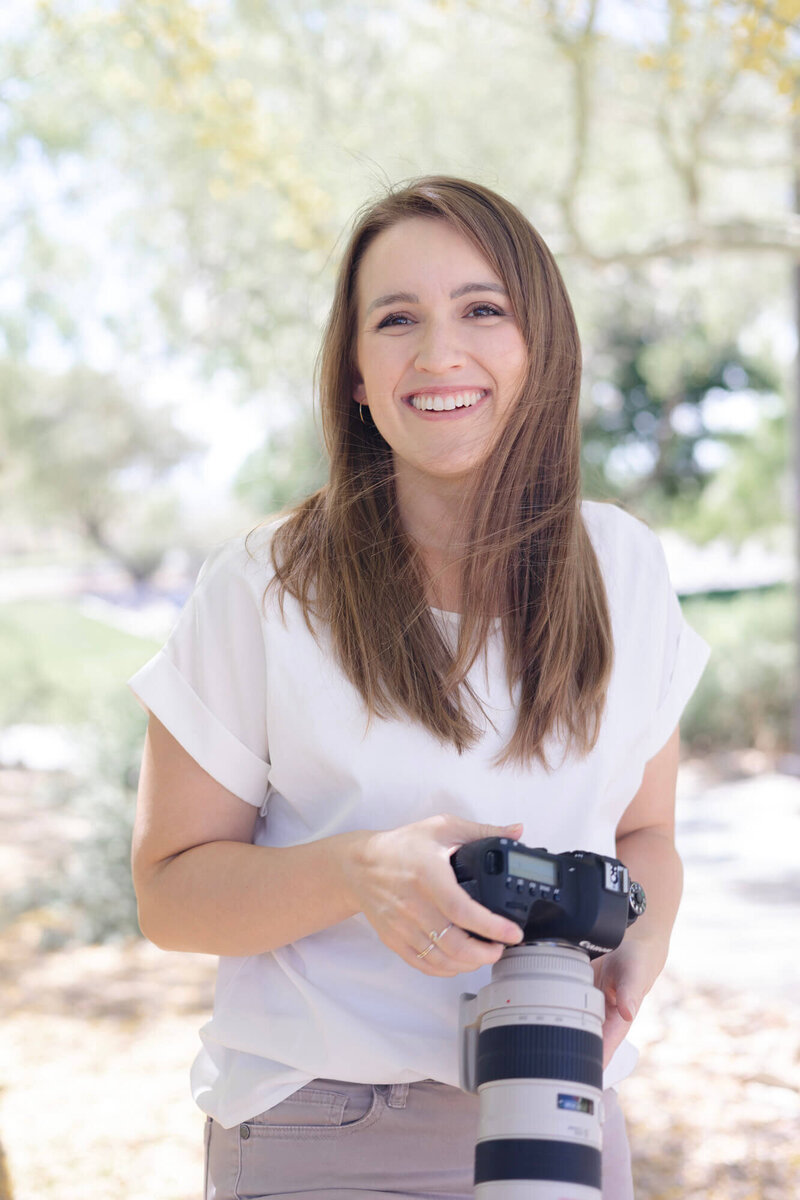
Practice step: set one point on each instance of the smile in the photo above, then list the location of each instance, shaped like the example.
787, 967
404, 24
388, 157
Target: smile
436, 402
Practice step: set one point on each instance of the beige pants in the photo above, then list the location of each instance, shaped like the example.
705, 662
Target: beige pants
354, 1141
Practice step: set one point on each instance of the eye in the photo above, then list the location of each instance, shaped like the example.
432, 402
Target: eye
485, 310
394, 319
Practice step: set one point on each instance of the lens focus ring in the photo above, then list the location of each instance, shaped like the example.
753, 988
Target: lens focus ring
539, 1052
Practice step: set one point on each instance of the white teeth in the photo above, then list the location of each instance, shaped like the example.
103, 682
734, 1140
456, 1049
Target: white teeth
439, 403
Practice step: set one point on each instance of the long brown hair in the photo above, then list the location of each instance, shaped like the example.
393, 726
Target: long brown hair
528, 560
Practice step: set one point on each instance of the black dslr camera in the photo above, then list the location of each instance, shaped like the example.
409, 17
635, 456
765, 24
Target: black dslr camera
578, 897
531, 1040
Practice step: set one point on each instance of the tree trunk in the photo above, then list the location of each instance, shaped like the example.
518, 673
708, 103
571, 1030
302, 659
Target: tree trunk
796, 460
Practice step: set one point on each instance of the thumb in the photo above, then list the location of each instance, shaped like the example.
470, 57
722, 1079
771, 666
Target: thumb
471, 831
510, 831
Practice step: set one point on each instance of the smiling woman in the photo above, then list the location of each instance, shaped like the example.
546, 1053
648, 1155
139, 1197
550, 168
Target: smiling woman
440, 364
442, 508
442, 642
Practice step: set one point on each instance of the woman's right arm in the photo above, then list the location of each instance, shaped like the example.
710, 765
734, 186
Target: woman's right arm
201, 884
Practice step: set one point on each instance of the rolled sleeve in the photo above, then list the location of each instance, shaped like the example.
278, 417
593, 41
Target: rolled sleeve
682, 658
691, 656
207, 686
658, 657
161, 688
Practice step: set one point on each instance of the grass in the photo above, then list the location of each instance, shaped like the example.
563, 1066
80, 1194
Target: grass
59, 666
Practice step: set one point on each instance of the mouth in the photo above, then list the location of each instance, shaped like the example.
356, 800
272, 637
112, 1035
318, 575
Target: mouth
429, 402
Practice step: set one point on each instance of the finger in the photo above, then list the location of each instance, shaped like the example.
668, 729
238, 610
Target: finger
472, 917
461, 831
622, 980
434, 938
627, 1005
451, 951
624, 1002
438, 961
466, 953
615, 1030
451, 904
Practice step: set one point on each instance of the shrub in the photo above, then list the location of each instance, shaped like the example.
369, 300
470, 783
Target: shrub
746, 695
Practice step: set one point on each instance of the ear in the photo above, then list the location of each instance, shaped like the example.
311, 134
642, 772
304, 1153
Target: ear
360, 394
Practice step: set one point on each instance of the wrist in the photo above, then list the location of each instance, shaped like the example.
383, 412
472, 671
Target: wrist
349, 855
652, 946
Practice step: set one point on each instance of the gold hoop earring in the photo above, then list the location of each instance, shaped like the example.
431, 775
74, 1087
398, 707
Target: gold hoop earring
361, 414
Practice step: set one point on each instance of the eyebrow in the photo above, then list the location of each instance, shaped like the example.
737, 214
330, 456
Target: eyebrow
411, 298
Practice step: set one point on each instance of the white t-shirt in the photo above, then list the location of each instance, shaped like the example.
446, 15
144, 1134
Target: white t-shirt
265, 709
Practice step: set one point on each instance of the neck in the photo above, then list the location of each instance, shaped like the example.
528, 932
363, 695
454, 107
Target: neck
432, 513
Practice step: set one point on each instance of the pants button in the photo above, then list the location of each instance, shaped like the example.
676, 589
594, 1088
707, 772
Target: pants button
244, 1132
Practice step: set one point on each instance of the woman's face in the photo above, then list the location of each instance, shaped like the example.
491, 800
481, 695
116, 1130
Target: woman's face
440, 355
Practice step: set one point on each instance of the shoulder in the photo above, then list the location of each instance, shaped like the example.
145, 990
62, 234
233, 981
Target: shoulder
236, 575
613, 531
608, 524
626, 548
245, 557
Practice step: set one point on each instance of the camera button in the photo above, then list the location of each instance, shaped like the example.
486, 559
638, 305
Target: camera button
494, 862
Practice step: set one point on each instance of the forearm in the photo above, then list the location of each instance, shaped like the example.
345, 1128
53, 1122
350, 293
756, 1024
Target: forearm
651, 858
232, 898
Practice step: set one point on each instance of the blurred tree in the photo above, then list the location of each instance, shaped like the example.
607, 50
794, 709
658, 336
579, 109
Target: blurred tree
290, 465
760, 36
249, 112
150, 128
79, 452
709, 72
213, 151
670, 407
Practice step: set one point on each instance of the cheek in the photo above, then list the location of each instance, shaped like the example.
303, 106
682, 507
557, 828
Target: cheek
513, 355
382, 365
520, 353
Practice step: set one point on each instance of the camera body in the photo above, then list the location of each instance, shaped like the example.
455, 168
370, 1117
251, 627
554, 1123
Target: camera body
531, 1041
578, 897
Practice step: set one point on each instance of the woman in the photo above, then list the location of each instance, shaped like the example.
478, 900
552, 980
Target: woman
440, 645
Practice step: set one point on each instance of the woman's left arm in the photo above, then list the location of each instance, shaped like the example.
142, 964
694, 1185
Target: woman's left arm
646, 845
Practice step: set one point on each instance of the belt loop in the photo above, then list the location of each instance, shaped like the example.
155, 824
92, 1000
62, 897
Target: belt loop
398, 1094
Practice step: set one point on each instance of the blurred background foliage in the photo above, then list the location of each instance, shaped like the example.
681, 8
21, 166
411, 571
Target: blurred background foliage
177, 177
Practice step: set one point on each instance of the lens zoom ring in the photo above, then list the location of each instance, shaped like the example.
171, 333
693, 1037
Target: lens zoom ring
531, 1159
540, 1052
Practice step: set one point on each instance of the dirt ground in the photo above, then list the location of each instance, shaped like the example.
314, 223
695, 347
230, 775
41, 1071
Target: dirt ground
95, 1045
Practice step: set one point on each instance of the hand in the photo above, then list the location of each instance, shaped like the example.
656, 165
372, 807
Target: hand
624, 976
404, 884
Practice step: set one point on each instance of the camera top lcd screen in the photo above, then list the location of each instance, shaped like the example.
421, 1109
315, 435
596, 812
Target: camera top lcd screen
526, 866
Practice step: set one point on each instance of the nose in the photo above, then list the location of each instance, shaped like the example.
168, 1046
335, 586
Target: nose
439, 348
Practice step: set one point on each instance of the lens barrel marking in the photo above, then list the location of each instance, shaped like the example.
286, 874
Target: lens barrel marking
540, 1052
532, 1158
